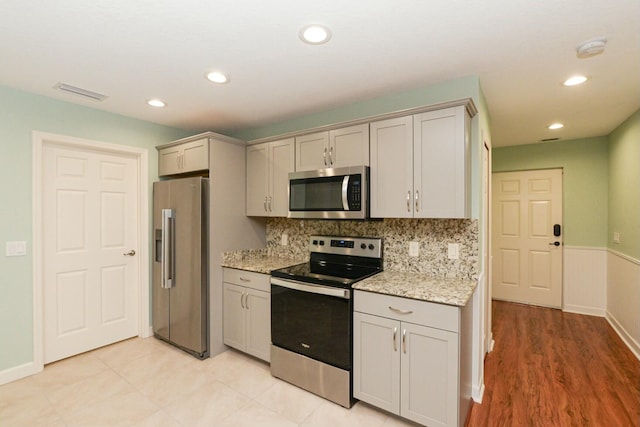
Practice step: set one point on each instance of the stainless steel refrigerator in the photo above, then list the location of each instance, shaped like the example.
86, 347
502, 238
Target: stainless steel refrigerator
180, 268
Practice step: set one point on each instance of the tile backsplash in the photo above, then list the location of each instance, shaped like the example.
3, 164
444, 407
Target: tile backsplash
432, 235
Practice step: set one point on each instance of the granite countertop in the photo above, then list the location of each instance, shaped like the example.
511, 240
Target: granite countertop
258, 260
420, 286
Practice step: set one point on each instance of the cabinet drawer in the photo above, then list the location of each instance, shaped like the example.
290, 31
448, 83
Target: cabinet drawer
425, 313
249, 279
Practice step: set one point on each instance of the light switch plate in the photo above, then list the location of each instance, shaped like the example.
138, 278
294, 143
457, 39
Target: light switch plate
414, 249
616, 237
285, 239
15, 249
453, 251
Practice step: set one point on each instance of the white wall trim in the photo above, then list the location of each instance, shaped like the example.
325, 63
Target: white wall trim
477, 393
142, 157
633, 345
624, 257
17, 372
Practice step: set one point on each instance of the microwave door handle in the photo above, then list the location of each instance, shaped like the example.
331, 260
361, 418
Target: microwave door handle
345, 188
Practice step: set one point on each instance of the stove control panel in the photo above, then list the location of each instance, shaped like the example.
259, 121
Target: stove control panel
357, 246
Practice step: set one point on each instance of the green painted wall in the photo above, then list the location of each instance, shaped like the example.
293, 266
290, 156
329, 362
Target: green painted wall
467, 87
585, 165
20, 114
624, 187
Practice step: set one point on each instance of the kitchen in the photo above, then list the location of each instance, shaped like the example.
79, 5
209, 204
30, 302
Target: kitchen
53, 116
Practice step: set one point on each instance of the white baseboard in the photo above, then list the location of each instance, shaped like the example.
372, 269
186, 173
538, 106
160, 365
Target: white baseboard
17, 372
477, 393
580, 309
633, 345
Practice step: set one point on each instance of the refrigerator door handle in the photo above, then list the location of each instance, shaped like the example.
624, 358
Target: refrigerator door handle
166, 278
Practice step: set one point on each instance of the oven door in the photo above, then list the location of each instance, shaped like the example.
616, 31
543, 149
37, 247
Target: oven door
312, 320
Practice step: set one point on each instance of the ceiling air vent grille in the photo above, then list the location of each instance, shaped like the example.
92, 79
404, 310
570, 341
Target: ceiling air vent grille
80, 92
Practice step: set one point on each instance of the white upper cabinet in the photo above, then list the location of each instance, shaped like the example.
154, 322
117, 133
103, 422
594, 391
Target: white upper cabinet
391, 180
441, 162
268, 167
192, 156
333, 149
420, 165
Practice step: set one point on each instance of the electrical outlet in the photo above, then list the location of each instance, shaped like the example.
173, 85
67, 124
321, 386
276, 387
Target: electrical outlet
285, 239
453, 251
616, 237
414, 249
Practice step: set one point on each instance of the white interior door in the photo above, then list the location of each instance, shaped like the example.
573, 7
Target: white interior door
527, 264
90, 270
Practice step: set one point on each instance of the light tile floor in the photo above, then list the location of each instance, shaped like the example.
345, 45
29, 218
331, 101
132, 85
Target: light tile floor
147, 383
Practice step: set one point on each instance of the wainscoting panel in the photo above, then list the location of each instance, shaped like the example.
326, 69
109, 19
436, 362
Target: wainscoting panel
623, 298
585, 280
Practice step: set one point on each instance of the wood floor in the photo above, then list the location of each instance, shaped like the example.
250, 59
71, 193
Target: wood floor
550, 368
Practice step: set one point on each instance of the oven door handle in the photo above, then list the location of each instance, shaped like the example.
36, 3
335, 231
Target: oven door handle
322, 290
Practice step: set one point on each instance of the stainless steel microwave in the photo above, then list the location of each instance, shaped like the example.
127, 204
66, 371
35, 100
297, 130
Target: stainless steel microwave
335, 193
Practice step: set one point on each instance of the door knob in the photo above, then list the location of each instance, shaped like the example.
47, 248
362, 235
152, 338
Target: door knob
130, 253
554, 244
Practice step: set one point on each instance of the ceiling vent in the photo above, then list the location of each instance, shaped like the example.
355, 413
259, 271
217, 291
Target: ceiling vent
549, 139
80, 92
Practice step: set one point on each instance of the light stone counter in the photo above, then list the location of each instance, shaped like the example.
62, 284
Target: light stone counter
258, 260
420, 286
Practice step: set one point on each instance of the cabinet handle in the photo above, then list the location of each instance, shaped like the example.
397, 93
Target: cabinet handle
404, 341
331, 156
265, 203
242, 300
246, 301
269, 203
408, 201
325, 156
417, 201
244, 280
178, 162
395, 334
399, 311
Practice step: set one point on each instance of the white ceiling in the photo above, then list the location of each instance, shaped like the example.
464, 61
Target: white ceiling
133, 50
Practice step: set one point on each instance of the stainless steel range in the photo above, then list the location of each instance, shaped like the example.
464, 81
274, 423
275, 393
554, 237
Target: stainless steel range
312, 312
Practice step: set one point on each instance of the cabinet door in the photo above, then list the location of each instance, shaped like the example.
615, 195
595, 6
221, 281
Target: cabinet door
441, 163
376, 361
233, 317
391, 184
312, 151
281, 162
349, 146
258, 310
169, 160
257, 179
429, 375
195, 155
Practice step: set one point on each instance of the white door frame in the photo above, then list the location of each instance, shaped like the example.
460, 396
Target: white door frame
40, 139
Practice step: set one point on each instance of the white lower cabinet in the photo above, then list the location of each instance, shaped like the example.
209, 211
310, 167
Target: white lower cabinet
247, 312
402, 364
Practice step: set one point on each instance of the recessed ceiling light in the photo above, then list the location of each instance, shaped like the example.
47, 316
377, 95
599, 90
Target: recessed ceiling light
156, 103
217, 77
555, 126
315, 34
575, 80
